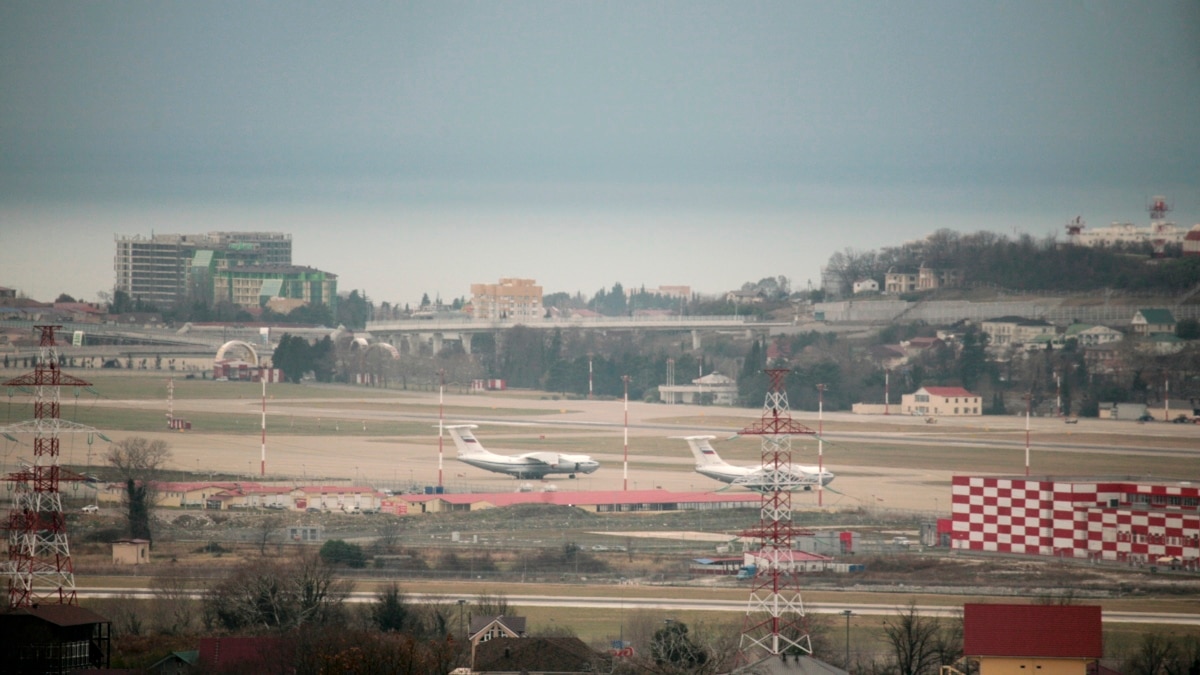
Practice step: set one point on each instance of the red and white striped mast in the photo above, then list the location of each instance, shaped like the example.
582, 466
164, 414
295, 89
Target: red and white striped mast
820, 445
262, 469
441, 417
625, 464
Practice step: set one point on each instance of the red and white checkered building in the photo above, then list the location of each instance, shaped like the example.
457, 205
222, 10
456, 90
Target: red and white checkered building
1121, 521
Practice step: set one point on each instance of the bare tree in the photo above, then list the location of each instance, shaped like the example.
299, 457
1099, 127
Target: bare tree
267, 527
918, 643
138, 461
173, 604
850, 265
279, 596
389, 531
488, 604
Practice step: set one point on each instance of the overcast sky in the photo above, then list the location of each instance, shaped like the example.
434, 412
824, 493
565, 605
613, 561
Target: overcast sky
421, 147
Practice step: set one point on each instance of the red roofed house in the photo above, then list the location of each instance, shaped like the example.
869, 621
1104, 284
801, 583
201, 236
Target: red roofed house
1043, 639
946, 401
257, 654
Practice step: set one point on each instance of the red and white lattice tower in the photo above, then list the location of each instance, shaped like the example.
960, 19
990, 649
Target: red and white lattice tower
774, 622
39, 567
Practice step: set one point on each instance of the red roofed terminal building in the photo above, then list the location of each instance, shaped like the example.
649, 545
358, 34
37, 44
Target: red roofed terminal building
1124, 521
1043, 639
944, 401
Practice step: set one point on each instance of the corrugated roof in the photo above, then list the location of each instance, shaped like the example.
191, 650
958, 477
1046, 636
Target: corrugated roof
1045, 631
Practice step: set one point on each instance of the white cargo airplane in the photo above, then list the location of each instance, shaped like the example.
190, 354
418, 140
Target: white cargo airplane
710, 464
526, 465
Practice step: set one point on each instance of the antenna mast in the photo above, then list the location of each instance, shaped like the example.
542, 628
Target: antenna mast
39, 568
775, 620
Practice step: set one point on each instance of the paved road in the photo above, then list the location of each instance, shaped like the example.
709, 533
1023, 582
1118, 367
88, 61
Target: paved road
682, 604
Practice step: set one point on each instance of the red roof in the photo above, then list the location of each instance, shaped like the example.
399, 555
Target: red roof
249, 653
948, 391
1045, 631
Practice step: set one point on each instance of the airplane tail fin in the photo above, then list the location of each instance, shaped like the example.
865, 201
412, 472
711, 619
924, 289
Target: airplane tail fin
702, 450
464, 440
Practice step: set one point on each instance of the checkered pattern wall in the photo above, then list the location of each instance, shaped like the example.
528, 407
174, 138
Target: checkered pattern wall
1119, 521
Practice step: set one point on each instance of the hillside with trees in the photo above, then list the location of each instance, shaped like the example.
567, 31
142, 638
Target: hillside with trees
1025, 264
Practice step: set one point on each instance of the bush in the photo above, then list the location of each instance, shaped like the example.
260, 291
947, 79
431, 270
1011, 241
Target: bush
338, 552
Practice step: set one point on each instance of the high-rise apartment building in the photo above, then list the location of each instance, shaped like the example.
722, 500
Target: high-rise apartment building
159, 268
510, 300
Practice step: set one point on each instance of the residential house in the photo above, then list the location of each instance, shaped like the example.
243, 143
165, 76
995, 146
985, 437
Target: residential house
259, 654
176, 663
1046, 639
1153, 321
897, 282
1008, 331
745, 297
485, 628
922, 345
946, 401
865, 286
535, 656
1088, 335
930, 278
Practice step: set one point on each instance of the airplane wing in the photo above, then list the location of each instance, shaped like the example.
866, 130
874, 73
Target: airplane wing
550, 459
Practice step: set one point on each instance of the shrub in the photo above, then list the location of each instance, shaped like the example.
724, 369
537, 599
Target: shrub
338, 552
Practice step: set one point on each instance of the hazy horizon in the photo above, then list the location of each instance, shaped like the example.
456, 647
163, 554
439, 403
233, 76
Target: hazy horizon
417, 148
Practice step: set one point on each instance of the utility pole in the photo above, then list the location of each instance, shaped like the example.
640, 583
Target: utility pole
1028, 404
820, 445
625, 465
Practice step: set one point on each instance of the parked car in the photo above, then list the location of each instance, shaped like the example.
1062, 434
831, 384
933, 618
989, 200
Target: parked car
313, 509
1182, 419
91, 508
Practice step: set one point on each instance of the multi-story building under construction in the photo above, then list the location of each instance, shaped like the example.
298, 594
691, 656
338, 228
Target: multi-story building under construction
163, 268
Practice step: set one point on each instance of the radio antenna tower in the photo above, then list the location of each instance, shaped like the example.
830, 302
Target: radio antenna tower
775, 622
39, 566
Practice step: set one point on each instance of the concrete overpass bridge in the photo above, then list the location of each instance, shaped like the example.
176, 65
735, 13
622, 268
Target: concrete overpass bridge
436, 332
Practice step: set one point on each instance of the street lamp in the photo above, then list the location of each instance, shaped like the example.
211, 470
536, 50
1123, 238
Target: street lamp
847, 613
462, 626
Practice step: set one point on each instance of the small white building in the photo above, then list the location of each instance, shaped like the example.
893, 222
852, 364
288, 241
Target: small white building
944, 401
865, 286
713, 388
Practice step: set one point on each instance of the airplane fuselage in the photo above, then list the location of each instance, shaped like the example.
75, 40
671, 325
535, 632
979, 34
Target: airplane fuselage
518, 467
535, 465
710, 464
